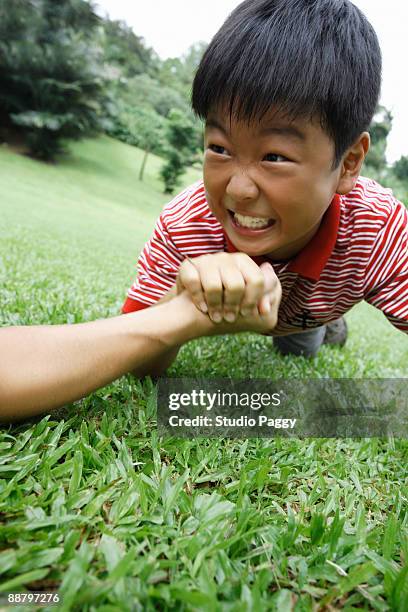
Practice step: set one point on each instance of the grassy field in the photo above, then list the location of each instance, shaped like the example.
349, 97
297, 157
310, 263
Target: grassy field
94, 504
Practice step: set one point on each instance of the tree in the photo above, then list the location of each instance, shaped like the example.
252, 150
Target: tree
143, 90
50, 77
122, 47
183, 144
376, 161
143, 128
154, 90
178, 72
400, 169
135, 105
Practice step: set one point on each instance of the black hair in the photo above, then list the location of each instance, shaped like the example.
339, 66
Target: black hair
305, 58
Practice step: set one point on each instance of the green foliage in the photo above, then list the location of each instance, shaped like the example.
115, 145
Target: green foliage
178, 72
50, 76
376, 162
141, 127
172, 170
401, 169
65, 73
123, 48
393, 176
143, 90
183, 144
137, 108
127, 99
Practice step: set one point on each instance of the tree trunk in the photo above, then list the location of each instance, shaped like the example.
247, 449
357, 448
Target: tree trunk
142, 167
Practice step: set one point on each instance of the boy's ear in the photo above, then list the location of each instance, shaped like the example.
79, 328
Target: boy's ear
351, 164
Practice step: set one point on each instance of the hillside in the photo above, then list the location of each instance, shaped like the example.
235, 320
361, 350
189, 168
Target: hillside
84, 219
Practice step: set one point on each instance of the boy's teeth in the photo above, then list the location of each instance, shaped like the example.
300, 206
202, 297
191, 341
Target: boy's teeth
251, 222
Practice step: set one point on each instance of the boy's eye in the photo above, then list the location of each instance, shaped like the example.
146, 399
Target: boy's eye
270, 157
218, 149
274, 157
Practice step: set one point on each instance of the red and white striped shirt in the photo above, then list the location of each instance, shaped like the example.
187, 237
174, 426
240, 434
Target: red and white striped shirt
360, 252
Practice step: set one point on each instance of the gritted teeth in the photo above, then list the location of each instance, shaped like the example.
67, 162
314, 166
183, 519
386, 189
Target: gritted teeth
252, 222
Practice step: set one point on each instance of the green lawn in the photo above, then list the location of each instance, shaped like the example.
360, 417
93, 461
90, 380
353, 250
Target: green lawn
93, 503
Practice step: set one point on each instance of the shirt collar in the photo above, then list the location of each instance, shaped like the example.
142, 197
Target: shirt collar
311, 260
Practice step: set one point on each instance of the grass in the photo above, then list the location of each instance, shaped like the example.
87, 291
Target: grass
94, 504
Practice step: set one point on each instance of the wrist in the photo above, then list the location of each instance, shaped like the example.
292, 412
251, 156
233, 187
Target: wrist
186, 322
170, 323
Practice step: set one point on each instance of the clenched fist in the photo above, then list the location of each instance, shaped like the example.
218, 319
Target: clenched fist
233, 288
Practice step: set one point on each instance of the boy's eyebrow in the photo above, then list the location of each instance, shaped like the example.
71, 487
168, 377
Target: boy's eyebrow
287, 130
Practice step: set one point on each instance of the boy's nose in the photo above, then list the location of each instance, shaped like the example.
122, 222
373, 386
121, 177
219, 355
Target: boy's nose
241, 187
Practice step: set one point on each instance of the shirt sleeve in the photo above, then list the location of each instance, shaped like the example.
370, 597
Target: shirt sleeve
157, 267
386, 283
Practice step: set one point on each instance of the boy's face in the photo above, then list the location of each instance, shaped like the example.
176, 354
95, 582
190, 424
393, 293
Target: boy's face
269, 182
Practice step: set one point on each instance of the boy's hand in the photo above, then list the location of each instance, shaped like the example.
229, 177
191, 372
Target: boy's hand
225, 285
264, 323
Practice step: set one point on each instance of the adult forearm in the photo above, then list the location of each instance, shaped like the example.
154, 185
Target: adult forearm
42, 367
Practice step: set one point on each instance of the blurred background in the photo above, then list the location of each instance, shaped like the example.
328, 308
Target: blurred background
72, 69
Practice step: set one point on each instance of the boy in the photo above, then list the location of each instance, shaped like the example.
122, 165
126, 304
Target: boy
287, 89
